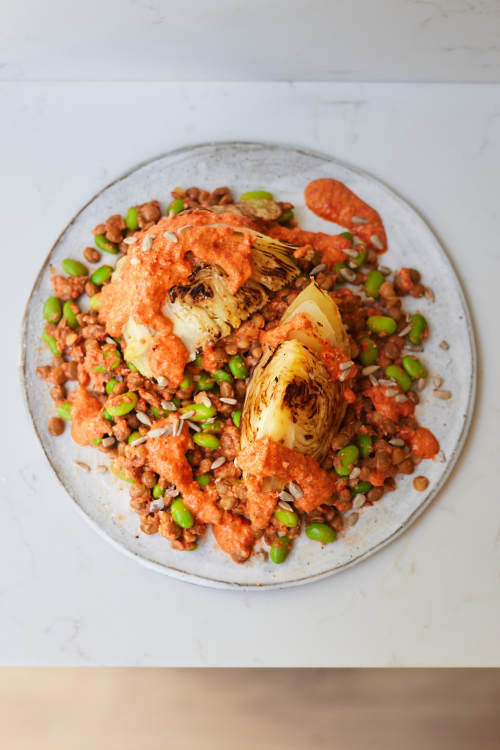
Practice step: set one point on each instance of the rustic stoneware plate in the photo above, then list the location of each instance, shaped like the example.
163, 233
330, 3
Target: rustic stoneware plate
284, 170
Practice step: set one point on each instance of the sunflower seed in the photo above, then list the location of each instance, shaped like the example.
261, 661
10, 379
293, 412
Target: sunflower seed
139, 441
228, 400
286, 496
156, 504
385, 270
421, 383
168, 405
317, 269
346, 365
359, 501
429, 294
188, 414
357, 242
147, 242
261, 555
440, 457
443, 395
217, 463
405, 331
359, 220
437, 380
391, 392
101, 469
210, 420
347, 274
397, 442
162, 382
444, 345
344, 375
352, 264
81, 465
170, 236
295, 490
370, 369
400, 399
194, 426
205, 401
386, 381
351, 519
158, 432
355, 473
180, 427
143, 418
110, 340
414, 348
129, 240
350, 252
108, 442
373, 380
286, 506
183, 229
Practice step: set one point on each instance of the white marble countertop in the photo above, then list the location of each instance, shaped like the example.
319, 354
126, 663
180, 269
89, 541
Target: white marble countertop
430, 598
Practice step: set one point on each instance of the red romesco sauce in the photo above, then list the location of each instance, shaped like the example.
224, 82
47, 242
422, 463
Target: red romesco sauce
274, 337
332, 200
265, 458
87, 422
330, 246
422, 442
387, 405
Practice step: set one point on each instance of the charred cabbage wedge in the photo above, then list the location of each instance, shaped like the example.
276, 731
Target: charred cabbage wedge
291, 397
204, 310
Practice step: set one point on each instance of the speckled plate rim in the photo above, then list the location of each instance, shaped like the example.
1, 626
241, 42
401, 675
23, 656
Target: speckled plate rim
451, 459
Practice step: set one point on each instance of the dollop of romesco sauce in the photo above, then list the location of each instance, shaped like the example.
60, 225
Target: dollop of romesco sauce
275, 336
87, 422
263, 459
332, 200
139, 287
387, 405
330, 246
422, 442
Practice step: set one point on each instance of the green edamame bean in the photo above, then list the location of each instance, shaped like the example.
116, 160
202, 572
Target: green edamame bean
158, 492
110, 386
198, 360
285, 217
280, 549
418, 328
362, 488
202, 412
204, 479
347, 235
238, 367
74, 267
101, 274
176, 401
113, 358
373, 283
365, 445
191, 548
253, 195
64, 410
359, 259
382, 325
51, 342
236, 416
348, 457
399, 375
205, 382
131, 219
287, 517
105, 245
95, 301
177, 205
135, 435
52, 310
70, 313
212, 426
414, 367
124, 405
221, 376
368, 354
107, 415
206, 440
321, 532
132, 367
96, 441
187, 381
181, 515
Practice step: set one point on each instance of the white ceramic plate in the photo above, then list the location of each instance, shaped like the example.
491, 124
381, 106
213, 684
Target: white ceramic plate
285, 171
